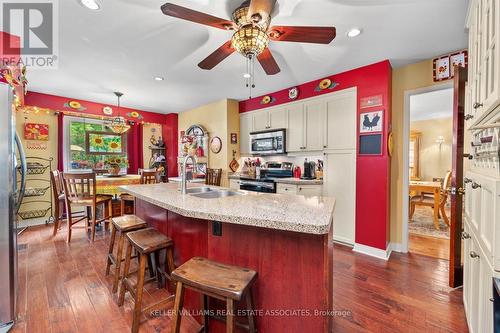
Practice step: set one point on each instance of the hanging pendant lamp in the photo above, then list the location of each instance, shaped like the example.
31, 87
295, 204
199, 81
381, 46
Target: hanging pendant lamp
119, 125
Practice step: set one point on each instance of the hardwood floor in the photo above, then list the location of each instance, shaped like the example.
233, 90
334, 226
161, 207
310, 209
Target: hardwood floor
63, 289
429, 246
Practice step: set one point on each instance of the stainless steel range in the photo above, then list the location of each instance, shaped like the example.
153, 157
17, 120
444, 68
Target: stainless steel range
269, 172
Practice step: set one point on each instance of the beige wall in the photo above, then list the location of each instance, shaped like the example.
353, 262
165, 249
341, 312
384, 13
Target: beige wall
220, 119
148, 130
51, 151
435, 159
411, 77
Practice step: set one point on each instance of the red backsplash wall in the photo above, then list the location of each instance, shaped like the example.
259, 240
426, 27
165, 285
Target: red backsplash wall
372, 172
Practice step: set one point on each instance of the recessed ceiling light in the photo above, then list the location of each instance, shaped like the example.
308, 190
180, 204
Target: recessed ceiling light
354, 32
158, 78
247, 75
91, 4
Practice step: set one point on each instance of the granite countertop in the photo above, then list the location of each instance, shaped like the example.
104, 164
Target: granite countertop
291, 180
310, 215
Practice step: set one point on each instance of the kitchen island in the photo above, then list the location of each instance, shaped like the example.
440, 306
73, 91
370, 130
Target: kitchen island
286, 239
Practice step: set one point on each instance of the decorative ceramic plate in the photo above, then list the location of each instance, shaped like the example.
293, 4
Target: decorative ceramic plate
215, 145
107, 110
325, 83
293, 93
266, 100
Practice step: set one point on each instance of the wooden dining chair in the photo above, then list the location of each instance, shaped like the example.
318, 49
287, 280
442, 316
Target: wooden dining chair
150, 176
213, 177
59, 199
427, 199
80, 191
147, 177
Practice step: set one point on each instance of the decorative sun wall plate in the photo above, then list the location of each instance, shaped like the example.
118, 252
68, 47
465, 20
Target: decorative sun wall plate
75, 105
326, 84
107, 110
267, 100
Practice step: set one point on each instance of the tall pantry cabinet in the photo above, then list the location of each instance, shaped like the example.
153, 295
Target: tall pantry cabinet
481, 234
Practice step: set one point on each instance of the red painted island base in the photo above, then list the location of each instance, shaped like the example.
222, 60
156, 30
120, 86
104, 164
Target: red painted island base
293, 292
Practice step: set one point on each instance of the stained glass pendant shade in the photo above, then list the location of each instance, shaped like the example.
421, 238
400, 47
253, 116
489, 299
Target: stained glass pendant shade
119, 125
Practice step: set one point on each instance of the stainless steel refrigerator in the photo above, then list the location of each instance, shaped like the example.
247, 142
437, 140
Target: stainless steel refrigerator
12, 185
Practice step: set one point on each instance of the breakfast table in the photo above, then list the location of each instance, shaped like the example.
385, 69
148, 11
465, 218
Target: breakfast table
110, 184
429, 187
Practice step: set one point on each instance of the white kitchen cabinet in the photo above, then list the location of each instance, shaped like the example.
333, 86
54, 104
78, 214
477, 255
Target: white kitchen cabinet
260, 120
484, 55
278, 118
340, 182
314, 112
234, 184
296, 129
246, 120
310, 190
306, 190
340, 123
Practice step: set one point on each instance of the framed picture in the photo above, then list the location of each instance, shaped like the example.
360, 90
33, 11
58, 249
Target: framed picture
201, 168
36, 132
234, 138
460, 59
104, 143
370, 101
441, 68
370, 122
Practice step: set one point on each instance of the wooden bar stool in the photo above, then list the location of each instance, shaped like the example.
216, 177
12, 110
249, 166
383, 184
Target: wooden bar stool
212, 279
145, 242
123, 225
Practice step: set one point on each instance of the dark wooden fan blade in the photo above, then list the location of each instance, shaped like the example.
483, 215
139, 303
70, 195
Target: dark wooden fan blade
184, 13
217, 56
318, 35
261, 7
268, 62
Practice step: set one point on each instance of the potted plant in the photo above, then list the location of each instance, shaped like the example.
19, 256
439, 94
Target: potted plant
115, 164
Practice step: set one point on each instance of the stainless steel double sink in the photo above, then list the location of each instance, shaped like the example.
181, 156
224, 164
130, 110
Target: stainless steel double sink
211, 193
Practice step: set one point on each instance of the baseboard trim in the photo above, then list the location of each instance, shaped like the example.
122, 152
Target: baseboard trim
373, 251
396, 247
343, 240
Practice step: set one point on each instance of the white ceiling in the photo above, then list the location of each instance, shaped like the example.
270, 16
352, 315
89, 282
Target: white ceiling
432, 105
125, 44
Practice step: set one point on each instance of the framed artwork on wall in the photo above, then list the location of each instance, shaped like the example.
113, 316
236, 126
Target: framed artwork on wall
36, 132
441, 68
370, 122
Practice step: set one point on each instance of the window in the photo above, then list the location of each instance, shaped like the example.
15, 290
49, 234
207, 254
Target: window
76, 157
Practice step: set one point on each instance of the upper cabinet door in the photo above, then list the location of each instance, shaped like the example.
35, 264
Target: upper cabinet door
278, 118
260, 120
489, 60
295, 132
315, 116
341, 121
245, 129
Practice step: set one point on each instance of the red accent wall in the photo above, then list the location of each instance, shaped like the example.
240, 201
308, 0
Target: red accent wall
372, 172
168, 121
169, 130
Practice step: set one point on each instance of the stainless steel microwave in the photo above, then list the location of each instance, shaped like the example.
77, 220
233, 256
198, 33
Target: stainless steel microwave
271, 142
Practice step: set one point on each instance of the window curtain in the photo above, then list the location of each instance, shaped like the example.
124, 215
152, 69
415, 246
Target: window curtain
134, 148
60, 141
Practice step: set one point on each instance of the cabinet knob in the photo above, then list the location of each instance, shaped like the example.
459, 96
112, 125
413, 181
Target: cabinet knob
469, 156
467, 180
300, 188
473, 255
465, 235
477, 105
475, 185
325, 146
468, 117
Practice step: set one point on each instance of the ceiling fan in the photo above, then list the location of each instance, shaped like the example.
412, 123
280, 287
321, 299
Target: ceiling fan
252, 32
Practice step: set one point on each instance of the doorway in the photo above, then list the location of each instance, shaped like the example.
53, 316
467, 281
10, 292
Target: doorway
427, 156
